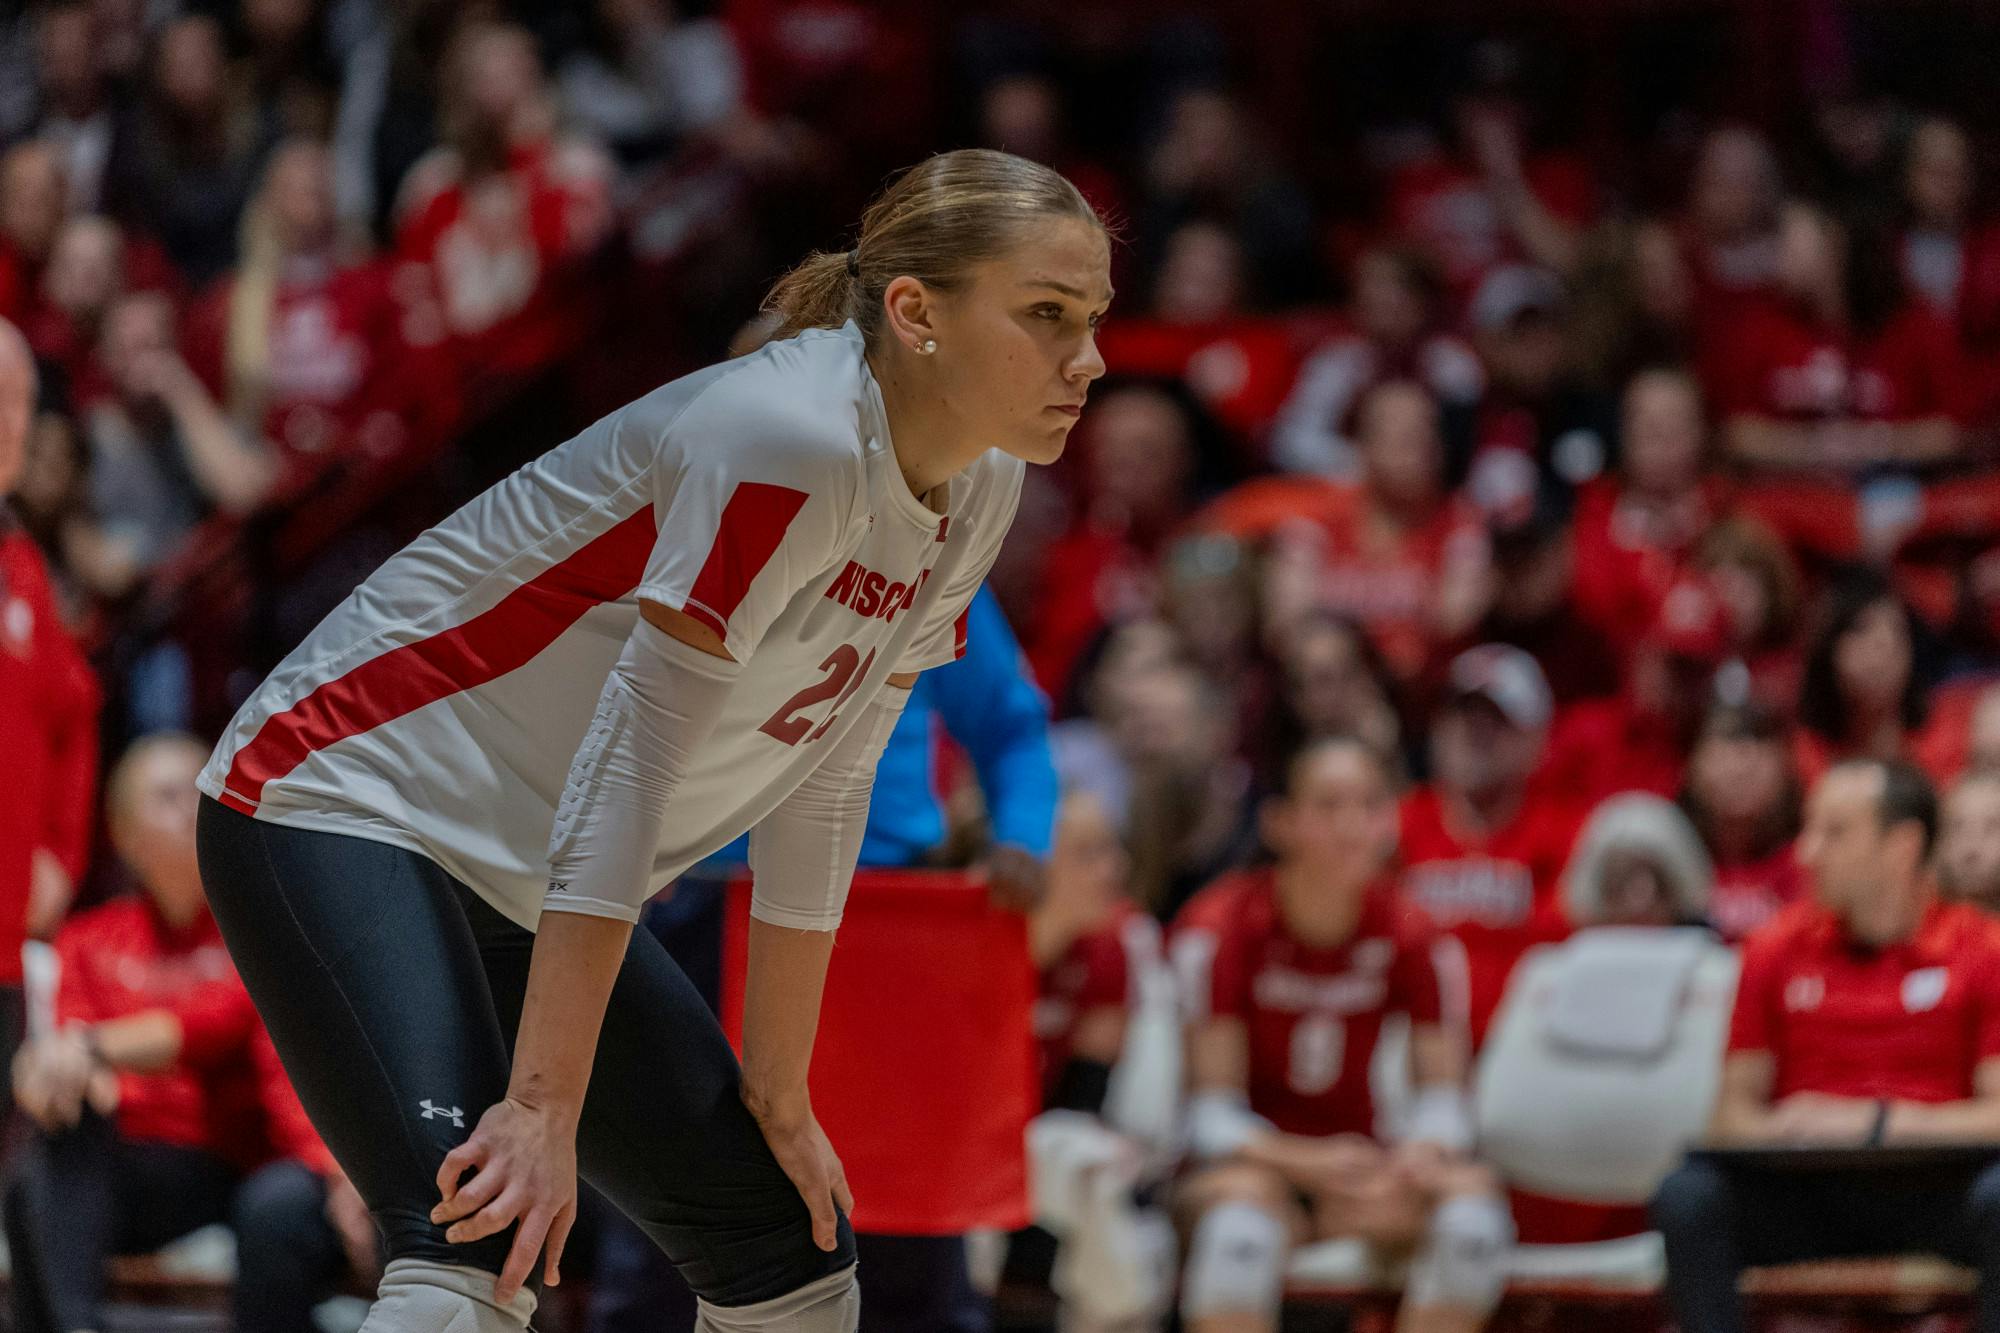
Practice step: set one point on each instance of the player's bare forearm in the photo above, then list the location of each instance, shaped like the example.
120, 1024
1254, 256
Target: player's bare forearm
1974, 1120
1743, 1110
575, 962
143, 1043
781, 998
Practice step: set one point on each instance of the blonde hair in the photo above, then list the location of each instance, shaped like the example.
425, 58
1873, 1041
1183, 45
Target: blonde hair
932, 223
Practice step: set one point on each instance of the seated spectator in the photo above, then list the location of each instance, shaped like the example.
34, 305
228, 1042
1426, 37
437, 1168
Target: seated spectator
1138, 455
1637, 532
158, 1104
502, 215
1190, 817
1950, 260
1638, 865
1865, 693
1838, 372
1208, 594
192, 159
1291, 972
1743, 796
1757, 579
77, 118
1021, 112
1333, 684
1636, 302
163, 453
645, 80
1968, 853
1537, 405
1492, 197
1082, 937
300, 345
1395, 552
1640, 739
34, 201
1729, 229
1869, 1015
1201, 332
1528, 594
1482, 853
1094, 746
1211, 161
1397, 331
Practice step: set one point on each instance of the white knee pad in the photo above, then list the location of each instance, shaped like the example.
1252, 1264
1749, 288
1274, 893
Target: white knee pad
1236, 1262
421, 1297
830, 1305
1463, 1260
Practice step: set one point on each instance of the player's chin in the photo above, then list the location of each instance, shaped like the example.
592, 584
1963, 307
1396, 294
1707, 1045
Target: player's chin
1044, 444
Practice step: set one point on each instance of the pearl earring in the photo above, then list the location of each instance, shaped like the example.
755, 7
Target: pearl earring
927, 346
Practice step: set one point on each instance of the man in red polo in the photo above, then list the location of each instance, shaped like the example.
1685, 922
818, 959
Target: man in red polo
48, 718
1867, 1015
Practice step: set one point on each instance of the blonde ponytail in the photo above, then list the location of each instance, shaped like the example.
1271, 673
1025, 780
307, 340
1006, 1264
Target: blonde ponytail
933, 223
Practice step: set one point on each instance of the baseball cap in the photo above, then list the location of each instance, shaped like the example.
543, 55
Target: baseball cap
1505, 677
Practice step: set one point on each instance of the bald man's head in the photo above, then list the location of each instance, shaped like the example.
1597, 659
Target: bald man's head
17, 404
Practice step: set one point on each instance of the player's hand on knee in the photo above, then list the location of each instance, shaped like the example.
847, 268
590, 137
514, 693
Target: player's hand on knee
524, 1159
807, 1157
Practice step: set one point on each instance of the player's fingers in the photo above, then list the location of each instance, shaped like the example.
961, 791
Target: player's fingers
491, 1219
842, 1195
521, 1258
553, 1249
470, 1197
456, 1163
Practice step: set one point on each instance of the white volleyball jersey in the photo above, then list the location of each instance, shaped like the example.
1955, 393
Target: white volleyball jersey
438, 708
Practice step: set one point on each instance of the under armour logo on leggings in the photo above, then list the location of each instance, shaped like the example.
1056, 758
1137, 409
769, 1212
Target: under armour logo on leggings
432, 1112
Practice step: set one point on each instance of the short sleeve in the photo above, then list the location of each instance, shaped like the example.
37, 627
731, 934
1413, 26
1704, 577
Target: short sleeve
1210, 967
941, 638
1750, 1027
751, 509
1416, 985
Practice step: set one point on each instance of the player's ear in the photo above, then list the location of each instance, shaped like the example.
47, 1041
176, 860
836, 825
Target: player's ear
911, 310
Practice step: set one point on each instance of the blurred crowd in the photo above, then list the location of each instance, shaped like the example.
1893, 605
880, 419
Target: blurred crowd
1556, 461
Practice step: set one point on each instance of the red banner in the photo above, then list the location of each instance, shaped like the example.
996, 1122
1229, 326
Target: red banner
924, 1072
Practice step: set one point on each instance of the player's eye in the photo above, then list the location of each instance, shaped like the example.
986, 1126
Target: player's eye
1053, 313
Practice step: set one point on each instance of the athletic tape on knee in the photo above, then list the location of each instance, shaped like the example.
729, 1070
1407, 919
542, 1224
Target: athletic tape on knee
1463, 1260
830, 1305
416, 1296
1236, 1262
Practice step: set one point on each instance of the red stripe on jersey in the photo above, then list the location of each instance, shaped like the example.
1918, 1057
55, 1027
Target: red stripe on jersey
486, 647
958, 632
944, 525
752, 526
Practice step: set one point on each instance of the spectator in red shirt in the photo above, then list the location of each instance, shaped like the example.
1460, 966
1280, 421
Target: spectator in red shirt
1968, 854
1082, 937
159, 1103
1395, 552
1482, 852
1396, 331
1636, 533
1870, 1015
503, 215
1138, 458
1292, 971
1527, 594
1743, 796
1950, 261
48, 718
34, 200
305, 347
1200, 331
1730, 230
1754, 574
1865, 692
1639, 739
1839, 372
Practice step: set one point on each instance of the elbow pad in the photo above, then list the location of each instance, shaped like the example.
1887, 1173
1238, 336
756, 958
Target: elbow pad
658, 704
802, 854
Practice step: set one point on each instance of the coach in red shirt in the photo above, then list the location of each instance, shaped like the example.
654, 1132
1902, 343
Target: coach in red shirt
48, 717
1868, 1015
160, 1103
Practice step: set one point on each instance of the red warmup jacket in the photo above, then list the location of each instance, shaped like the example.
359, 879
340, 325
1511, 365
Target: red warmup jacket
227, 1092
48, 738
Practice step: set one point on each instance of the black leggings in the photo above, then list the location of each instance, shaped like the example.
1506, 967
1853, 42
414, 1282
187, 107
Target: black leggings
393, 993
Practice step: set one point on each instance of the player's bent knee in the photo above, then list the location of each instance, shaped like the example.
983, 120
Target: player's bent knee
1462, 1262
831, 1304
417, 1296
1236, 1262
